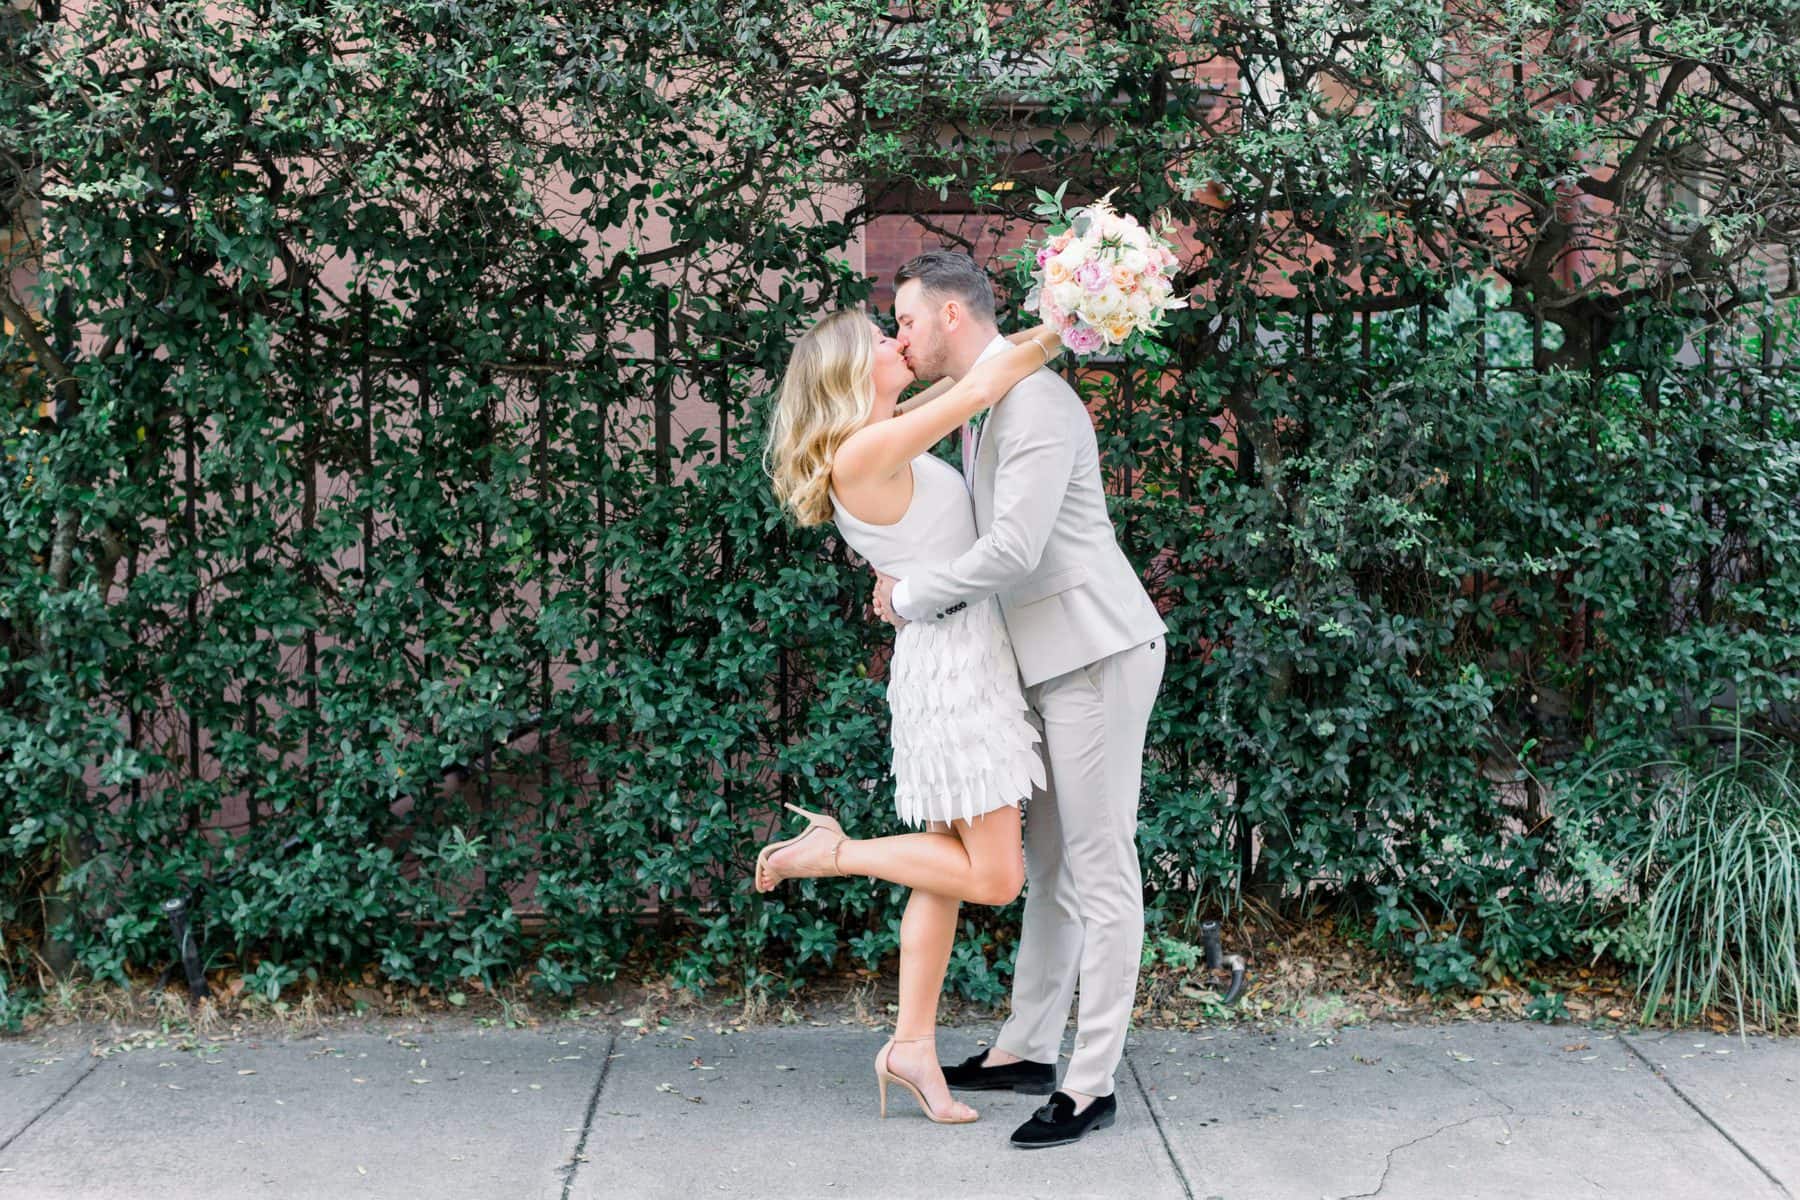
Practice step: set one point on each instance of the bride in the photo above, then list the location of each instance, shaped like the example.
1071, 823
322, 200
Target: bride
964, 754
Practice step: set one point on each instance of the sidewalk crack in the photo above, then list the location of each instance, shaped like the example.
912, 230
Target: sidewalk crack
1469, 1082
569, 1168
1388, 1164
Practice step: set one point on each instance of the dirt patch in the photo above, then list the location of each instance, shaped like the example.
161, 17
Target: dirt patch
1298, 974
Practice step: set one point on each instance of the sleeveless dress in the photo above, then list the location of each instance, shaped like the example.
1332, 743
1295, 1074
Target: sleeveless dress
962, 743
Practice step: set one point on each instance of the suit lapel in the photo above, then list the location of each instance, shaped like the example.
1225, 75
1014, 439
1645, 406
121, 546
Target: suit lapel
981, 472
971, 430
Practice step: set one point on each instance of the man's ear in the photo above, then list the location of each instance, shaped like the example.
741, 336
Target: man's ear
953, 315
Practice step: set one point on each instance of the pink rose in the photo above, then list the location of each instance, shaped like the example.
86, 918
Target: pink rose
1083, 338
1043, 256
1092, 276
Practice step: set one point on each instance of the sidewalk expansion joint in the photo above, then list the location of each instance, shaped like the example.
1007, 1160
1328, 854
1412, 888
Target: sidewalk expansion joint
1187, 1189
1706, 1116
587, 1121
92, 1067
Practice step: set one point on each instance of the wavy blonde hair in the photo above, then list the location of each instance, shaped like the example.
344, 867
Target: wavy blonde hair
826, 395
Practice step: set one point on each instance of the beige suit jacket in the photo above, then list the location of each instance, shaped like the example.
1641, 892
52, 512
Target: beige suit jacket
1046, 545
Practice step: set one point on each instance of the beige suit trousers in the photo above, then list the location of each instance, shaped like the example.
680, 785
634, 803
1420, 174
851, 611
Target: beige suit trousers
1084, 898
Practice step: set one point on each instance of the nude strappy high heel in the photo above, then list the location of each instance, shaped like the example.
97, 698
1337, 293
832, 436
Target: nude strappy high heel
883, 1076
815, 821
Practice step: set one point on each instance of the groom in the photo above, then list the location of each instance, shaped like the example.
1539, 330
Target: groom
1090, 649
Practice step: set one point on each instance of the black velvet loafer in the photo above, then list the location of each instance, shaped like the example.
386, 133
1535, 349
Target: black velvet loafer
1033, 1079
1057, 1123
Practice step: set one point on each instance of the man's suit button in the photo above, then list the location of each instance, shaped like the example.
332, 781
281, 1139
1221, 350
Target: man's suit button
957, 607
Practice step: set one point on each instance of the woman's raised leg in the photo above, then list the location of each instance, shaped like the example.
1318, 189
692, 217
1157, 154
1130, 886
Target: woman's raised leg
981, 861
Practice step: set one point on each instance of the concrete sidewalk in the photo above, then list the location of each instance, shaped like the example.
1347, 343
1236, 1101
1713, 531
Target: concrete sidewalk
600, 1110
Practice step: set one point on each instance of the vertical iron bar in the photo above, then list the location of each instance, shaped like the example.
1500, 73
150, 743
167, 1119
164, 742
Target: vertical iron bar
309, 505
368, 447
1309, 368
1481, 408
601, 586
134, 723
1538, 363
720, 376
1594, 368
1129, 396
1190, 430
1708, 386
1766, 359
660, 392
192, 521
247, 698
1246, 447
544, 525
488, 424
609, 377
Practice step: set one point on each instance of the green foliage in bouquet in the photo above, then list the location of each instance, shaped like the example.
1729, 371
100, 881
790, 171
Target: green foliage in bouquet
1104, 240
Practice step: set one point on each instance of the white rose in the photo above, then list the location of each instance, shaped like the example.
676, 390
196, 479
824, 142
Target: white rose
1108, 303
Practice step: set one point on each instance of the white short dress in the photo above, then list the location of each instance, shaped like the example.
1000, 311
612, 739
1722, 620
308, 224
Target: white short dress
963, 744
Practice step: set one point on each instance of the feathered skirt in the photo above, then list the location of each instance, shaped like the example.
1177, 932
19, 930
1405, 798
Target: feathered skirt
963, 744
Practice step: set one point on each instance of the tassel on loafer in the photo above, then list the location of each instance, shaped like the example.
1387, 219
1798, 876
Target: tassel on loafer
1057, 1123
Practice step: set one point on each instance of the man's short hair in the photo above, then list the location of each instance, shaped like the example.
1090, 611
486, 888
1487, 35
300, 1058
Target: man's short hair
951, 273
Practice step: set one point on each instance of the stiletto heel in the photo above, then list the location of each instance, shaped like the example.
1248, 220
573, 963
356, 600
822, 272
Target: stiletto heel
883, 1076
814, 821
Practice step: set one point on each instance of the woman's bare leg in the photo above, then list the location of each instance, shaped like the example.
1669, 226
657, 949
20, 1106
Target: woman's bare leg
927, 932
982, 861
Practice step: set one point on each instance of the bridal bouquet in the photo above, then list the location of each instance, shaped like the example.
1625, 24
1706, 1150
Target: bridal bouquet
1100, 277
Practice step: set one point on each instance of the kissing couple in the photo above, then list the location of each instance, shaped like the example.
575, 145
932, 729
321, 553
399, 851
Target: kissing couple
1026, 661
